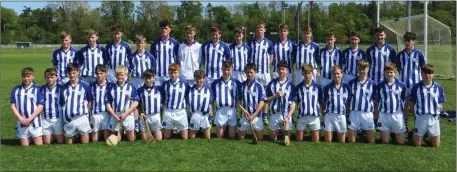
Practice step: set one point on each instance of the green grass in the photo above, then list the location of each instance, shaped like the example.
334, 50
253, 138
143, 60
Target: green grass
213, 154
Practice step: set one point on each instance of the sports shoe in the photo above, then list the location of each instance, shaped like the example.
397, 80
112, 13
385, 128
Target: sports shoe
286, 140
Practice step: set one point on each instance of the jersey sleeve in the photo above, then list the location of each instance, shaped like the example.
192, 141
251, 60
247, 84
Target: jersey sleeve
12, 97
320, 96
87, 91
108, 96
54, 58
40, 97
227, 53
79, 58
153, 48
213, 88
326, 88
422, 59
412, 94
441, 97
250, 60
374, 94
268, 91
403, 93
175, 51
270, 49
203, 54
317, 54
261, 93
393, 54
162, 94
135, 96
293, 95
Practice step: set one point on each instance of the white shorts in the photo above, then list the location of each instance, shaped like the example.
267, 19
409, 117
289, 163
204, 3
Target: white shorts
276, 121
257, 124
311, 122
198, 120
361, 119
225, 116
153, 122
263, 78
63, 80
348, 77
299, 76
99, 121
88, 79
111, 76
335, 122
324, 82
78, 124
391, 122
158, 80
26, 132
427, 124
137, 82
52, 126
239, 75
126, 125
290, 76
175, 118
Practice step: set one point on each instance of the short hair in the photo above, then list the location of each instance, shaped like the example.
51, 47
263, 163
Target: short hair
116, 28
148, 73
337, 67
238, 29
362, 64
27, 71
356, 34
227, 64
174, 67
91, 32
165, 23
379, 30
409, 36
330, 34
191, 27
260, 25
283, 26
250, 66
122, 69
216, 28
282, 64
72, 67
64, 34
101, 67
428, 68
390, 66
307, 29
50, 71
139, 38
199, 74
307, 68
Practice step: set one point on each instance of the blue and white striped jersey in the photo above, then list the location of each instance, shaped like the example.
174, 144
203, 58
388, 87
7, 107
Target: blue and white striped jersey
251, 94
281, 105
336, 98
306, 54
117, 54
26, 100
152, 98
140, 62
166, 53
241, 55
75, 100
51, 108
200, 100
350, 59
119, 95
362, 94
427, 99
175, 94
89, 58
213, 55
377, 57
329, 59
225, 92
98, 92
260, 54
309, 99
284, 51
409, 66
60, 59
391, 97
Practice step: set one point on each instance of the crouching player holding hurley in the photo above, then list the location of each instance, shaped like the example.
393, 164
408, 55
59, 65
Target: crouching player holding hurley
200, 98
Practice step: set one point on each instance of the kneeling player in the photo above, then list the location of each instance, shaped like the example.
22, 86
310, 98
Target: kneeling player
200, 98
52, 116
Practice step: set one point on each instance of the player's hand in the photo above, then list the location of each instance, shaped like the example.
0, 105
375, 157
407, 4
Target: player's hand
117, 118
124, 115
23, 122
246, 114
279, 94
142, 115
27, 122
288, 117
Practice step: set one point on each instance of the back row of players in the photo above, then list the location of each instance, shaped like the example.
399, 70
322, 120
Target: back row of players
167, 59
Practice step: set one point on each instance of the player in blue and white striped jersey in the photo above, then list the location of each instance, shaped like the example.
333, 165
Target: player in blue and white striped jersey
307, 51
99, 117
165, 50
151, 100
90, 56
241, 54
351, 56
310, 98
140, 61
363, 103
200, 99
214, 53
261, 54
52, 115
225, 91
284, 49
26, 102
117, 52
329, 57
281, 95
391, 98
175, 115
76, 98
336, 96
62, 56
250, 99
189, 55
379, 54
428, 98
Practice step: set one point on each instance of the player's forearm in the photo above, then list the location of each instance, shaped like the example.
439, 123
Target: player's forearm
16, 112
210, 110
271, 98
292, 109
36, 112
132, 108
271, 59
110, 110
259, 108
238, 103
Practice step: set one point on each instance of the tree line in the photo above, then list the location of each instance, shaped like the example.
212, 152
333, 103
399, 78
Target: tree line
43, 25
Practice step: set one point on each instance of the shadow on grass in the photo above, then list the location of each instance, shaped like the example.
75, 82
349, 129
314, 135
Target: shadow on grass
10, 142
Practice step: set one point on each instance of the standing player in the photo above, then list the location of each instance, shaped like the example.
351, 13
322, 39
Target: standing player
26, 102
363, 91
329, 57
165, 50
307, 51
251, 99
140, 61
99, 118
52, 121
284, 49
241, 54
189, 55
225, 91
281, 94
213, 53
351, 56
391, 98
76, 99
200, 98
309, 98
428, 98
62, 57
117, 52
90, 56
175, 114
379, 54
